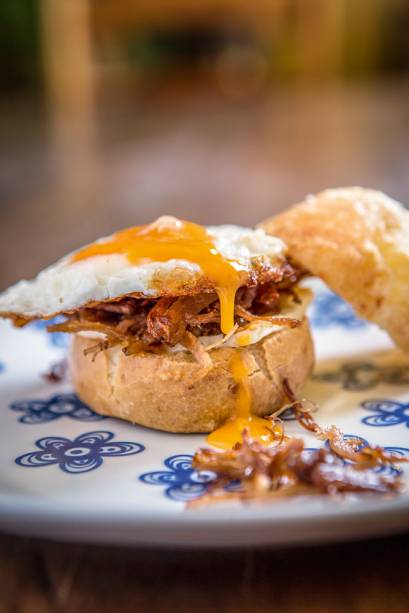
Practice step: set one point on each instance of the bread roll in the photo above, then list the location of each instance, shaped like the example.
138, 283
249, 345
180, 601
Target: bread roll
174, 393
357, 241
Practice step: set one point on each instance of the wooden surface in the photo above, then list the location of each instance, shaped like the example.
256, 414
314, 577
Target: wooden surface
361, 577
212, 163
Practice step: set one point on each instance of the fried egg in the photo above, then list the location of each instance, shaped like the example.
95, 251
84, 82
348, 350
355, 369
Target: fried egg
76, 281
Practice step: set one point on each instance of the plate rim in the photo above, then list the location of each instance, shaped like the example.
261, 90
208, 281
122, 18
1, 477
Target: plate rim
209, 527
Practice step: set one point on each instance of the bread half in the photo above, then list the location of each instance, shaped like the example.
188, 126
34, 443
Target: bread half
357, 241
172, 392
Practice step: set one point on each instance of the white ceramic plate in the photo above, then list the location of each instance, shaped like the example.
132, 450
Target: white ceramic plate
67, 473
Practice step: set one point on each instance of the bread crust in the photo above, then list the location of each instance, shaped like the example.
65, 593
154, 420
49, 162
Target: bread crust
174, 393
357, 241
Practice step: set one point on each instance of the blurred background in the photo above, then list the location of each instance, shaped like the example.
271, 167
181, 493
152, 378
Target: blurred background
116, 111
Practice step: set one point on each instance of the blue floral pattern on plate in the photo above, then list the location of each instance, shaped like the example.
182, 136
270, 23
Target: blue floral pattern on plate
55, 339
59, 405
328, 309
80, 455
386, 413
358, 376
181, 481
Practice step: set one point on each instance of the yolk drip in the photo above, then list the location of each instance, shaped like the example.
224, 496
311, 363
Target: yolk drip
176, 240
231, 432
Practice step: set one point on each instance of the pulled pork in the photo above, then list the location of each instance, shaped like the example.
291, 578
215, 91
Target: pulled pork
148, 324
289, 469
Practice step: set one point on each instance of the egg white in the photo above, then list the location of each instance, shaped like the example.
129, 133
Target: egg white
68, 285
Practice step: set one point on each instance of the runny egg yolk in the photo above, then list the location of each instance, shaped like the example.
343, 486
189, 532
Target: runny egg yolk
230, 432
176, 240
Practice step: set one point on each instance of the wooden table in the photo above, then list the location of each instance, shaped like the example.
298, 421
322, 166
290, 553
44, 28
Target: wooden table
212, 164
363, 577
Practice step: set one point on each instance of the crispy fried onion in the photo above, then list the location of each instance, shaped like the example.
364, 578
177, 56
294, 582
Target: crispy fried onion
273, 319
351, 448
288, 469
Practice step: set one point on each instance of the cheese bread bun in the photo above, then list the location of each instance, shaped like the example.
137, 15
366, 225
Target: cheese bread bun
175, 393
357, 241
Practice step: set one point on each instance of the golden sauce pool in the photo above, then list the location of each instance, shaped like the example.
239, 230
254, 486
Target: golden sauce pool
177, 240
230, 432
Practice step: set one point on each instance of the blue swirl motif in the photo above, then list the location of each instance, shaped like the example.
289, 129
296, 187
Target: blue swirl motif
386, 413
60, 405
385, 469
56, 339
80, 455
2, 367
364, 375
181, 481
328, 309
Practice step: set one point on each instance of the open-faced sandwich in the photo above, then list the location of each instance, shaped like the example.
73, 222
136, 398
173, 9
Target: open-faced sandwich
190, 329
178, 327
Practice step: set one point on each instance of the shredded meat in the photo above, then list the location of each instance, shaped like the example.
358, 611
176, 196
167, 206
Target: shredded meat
150, 324
167, 320
286, 469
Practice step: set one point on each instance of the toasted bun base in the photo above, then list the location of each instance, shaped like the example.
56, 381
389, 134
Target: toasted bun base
174, 393
357, 241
